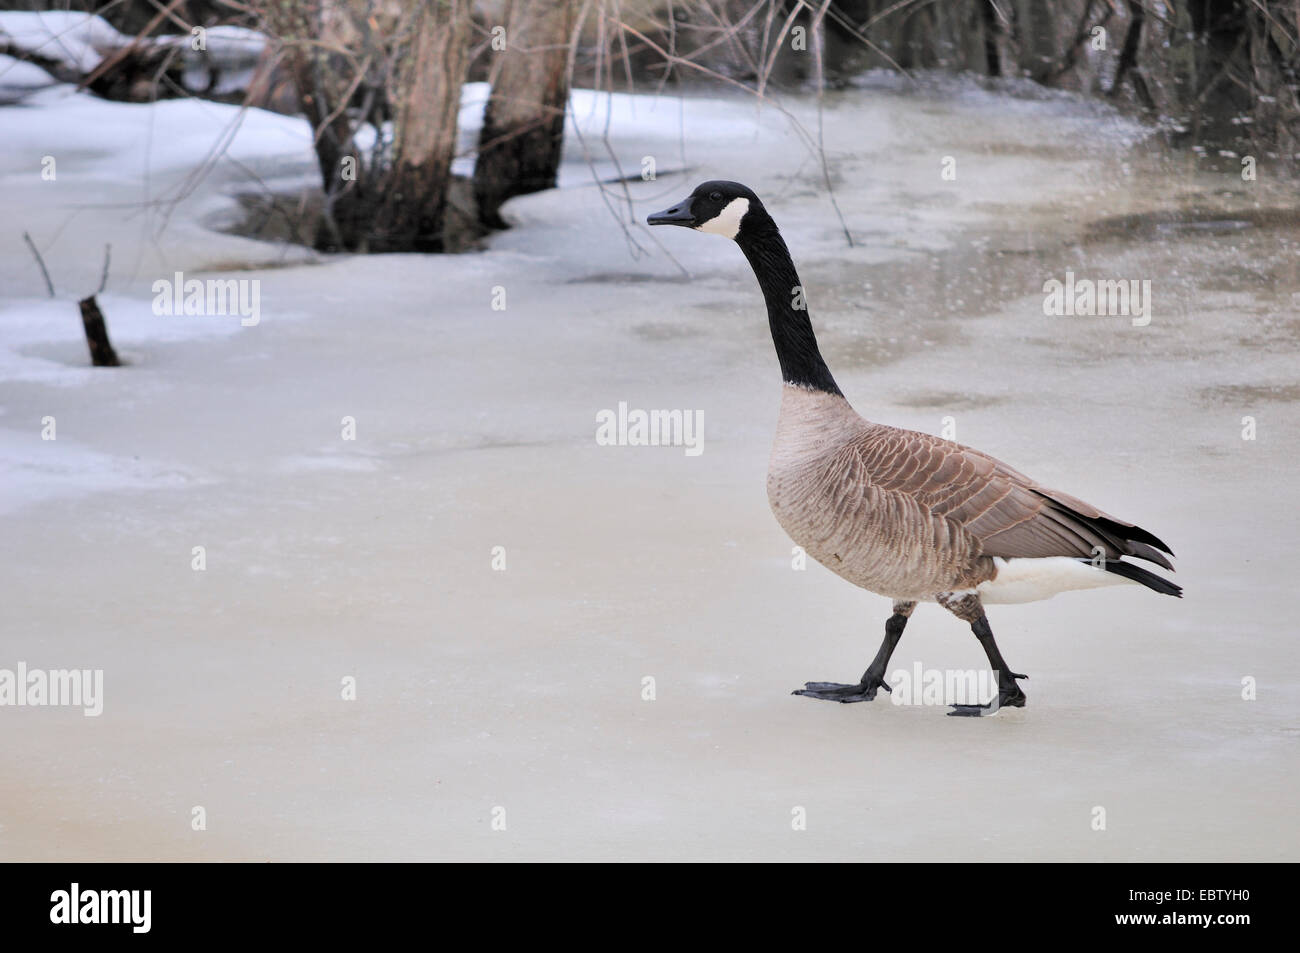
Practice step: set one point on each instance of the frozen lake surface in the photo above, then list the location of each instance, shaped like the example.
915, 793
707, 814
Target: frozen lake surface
484, 694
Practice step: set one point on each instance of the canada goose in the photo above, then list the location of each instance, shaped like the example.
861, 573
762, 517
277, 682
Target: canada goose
900, 513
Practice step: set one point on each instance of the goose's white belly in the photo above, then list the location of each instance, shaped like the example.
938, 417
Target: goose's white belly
1029, 580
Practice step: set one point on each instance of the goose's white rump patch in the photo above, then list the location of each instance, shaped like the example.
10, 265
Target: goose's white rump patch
1029, 580
727, 222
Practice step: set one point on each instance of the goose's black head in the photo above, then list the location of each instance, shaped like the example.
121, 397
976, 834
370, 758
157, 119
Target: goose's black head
724, 208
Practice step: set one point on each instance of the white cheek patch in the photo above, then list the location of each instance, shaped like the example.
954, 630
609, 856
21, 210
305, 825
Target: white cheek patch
727, 222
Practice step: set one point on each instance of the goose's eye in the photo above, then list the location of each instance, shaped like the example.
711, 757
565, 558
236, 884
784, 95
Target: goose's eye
716, 196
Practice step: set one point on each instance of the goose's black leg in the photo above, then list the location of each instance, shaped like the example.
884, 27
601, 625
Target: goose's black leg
1009, 694
873, 678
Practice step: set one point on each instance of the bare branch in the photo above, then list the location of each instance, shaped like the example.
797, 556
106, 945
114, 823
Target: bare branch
103, 278
40, 261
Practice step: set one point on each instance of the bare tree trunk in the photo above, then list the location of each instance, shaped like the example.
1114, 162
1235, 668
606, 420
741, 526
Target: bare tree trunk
989, 23
355, 62
92, 319
523, 126
321, 77
426, 103
1128, 57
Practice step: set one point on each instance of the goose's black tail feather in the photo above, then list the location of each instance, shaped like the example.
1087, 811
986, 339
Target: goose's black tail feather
1138, 574
1117, 538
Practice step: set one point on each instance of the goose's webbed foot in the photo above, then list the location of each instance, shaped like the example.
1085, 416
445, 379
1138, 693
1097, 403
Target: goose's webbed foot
1009, 696
863, 691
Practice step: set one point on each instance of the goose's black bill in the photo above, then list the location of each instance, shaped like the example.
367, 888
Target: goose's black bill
679, 214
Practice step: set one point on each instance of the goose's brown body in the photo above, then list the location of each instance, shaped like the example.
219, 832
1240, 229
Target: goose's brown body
909, 515
822, 492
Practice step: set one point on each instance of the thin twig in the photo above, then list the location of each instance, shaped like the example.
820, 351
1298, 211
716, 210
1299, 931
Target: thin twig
821, 141
103, 278
40, 261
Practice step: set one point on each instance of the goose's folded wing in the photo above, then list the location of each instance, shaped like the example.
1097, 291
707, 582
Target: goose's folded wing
1006, 512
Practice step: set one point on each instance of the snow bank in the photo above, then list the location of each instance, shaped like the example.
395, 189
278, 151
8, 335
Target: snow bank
19, 79
79, 41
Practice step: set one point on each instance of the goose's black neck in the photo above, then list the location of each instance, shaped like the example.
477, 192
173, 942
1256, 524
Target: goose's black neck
787, 313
